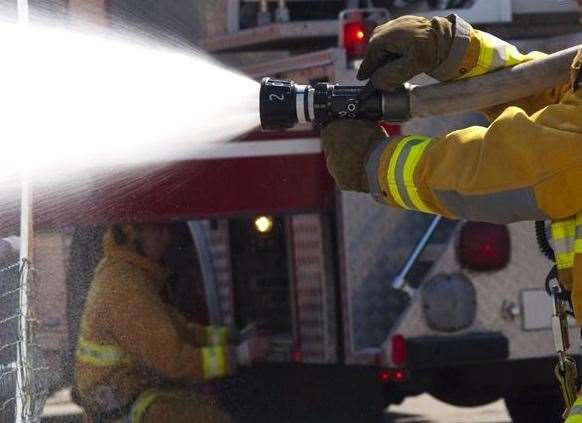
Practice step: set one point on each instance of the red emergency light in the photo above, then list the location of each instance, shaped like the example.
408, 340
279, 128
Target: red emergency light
355, 38
484, 246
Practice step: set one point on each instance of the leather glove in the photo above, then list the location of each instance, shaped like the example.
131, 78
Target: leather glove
405, 47
346, 145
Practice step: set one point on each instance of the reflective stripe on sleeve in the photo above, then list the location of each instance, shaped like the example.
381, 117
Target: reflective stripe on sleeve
400, 175
213, 362
99, 355
575, 414
217, 335
498, 207
495, 53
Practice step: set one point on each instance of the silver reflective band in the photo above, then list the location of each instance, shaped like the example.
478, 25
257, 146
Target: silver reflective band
310, 103
499, 207
300, 103
575, 411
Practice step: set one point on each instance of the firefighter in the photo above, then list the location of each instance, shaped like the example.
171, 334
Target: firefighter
136, 355
527, 165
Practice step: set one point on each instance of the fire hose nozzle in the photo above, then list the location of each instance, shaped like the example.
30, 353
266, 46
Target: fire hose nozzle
284, 104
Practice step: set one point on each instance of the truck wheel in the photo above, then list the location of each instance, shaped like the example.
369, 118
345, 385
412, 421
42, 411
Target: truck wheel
460, 398
460, 392
536, 409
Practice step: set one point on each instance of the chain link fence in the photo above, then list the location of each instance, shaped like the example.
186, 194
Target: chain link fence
19, 377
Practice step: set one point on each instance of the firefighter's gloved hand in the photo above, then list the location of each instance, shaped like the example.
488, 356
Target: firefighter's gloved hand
346, 145
405, 47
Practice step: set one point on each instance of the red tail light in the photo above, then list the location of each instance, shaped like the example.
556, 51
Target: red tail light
355, 38
399, 355
484, 246
392, 375
385, 376
399, 375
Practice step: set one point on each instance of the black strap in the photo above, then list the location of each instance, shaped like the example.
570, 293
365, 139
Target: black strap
564, 295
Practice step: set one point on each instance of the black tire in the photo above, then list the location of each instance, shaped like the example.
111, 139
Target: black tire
535, 409
461, 398
303, 394
461, 392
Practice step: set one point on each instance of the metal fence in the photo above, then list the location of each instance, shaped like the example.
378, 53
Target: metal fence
22, 372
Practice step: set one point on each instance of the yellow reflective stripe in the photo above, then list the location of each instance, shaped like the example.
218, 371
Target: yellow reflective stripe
564, 229
410, 166
402, 166
565, 242
565, 260
391, 176
495, 53
143, 402
100, 355
213, 362
217, 335
513, 56
486, 51
575, 414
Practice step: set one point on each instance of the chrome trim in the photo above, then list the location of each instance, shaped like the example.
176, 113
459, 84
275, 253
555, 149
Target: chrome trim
209, 280
300, 103
311, 103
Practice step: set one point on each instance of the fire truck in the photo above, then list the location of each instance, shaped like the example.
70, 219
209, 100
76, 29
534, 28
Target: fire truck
365, 305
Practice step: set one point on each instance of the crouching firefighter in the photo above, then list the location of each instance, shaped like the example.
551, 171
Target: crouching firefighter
526, 165
134, 350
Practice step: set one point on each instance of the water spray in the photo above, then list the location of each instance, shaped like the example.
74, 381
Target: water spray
284, 104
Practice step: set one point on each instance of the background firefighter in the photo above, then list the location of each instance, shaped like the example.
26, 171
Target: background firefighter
136, 355
525, 166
